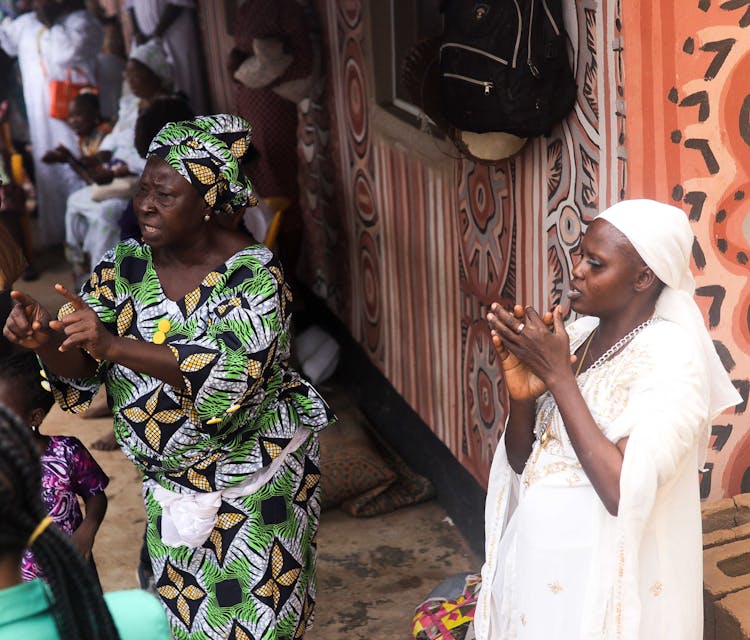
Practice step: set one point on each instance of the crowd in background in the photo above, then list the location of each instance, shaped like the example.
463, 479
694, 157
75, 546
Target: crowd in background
73, 167
98, 124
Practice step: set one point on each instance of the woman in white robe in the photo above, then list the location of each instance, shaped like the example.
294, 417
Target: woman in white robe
593, 525
70, 39
92, 224
176, 26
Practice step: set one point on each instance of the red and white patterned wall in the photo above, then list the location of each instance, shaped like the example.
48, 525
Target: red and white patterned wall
689, 144
429, 245
409, 252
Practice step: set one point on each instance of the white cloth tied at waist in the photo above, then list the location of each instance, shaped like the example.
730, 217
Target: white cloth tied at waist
187, 519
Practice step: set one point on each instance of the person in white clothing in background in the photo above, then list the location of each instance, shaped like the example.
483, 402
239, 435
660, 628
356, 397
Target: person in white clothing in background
57, 36
174, 22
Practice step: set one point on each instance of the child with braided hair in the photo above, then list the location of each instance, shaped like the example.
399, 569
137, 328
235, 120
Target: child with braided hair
70, 605
68, 469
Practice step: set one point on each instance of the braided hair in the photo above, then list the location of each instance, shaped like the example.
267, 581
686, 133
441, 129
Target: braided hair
79, 608
22, 369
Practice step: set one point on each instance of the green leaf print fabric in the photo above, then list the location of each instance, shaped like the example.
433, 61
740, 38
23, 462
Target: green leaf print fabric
239, 406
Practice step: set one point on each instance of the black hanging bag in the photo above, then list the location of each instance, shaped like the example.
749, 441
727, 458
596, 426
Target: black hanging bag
504, 66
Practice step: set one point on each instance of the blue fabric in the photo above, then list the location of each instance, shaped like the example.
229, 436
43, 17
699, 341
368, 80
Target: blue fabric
450, 588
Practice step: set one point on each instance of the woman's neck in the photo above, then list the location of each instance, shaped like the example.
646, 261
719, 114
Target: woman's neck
211, 249
612, 329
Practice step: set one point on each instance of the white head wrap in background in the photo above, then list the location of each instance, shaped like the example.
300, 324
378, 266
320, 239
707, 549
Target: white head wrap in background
152, 54
662, 236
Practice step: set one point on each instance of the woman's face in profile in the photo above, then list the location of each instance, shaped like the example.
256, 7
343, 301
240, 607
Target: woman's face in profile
169, 210
604, 275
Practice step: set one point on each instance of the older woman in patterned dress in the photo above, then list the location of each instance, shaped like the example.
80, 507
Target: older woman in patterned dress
188, 331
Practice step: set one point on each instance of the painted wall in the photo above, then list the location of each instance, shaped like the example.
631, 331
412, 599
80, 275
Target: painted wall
409, 247
430, 242
688, 131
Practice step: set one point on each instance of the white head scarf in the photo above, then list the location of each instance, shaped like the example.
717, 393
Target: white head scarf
152, 54
662, 236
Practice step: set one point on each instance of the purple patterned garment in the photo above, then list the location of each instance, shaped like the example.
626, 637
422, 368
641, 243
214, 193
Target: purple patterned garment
68, 471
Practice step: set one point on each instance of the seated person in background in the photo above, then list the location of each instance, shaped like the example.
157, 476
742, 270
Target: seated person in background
68, 469
71, 605
86, 120
93, 213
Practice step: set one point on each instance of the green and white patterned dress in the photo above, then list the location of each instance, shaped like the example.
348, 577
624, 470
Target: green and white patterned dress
254, 577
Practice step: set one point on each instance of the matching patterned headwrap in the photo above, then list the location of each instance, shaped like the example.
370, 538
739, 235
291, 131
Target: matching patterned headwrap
207, 152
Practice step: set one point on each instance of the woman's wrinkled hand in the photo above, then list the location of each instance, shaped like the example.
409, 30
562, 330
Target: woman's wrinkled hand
82, 328
28, 323
529, 357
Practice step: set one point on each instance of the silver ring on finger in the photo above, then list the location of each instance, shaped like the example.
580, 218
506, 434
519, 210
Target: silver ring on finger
520, 328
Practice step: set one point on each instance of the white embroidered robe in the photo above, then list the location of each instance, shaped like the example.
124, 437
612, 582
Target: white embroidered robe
558, 565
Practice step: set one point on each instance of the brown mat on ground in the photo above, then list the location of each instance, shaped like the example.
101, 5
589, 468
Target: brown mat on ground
363, 476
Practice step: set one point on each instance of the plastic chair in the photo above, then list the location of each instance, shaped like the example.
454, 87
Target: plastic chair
279, 204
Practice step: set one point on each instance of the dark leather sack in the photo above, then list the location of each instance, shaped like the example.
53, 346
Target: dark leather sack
504, 66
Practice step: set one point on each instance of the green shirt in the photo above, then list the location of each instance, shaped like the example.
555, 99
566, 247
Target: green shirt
26, 612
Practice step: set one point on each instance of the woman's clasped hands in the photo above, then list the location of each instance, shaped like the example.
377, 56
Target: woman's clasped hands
33, 327
533, 349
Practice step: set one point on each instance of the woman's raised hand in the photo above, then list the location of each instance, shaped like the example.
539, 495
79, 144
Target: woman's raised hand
522, 383
28, 323
82, 328
529, 347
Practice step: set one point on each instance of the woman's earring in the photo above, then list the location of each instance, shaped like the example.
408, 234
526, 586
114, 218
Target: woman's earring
207, 217
34, 427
